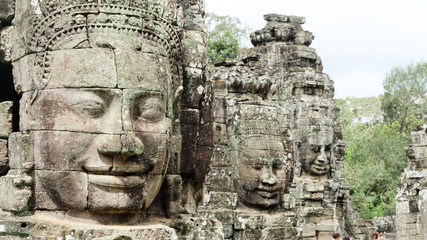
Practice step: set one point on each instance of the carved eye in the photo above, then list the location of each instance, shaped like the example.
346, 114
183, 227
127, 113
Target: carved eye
277, 164
151, 109
316, 148
90, 108
328, 148
255, 164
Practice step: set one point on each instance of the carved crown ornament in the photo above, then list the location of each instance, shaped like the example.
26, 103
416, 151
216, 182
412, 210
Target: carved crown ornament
69, 24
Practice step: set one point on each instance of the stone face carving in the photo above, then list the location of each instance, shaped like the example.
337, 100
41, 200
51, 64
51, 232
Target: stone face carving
315, 158
118, 126
278, 155
261, 173
97, 121
100, 120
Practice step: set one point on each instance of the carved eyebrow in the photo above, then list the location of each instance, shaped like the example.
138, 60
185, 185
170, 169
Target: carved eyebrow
77, 97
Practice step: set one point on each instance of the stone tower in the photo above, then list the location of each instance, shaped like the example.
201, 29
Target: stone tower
278, 170
411, 197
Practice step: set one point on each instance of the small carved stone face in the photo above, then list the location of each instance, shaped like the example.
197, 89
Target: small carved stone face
102, 149
315, 159
261, 172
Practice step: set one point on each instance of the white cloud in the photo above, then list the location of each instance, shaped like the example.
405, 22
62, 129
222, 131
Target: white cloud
360, 39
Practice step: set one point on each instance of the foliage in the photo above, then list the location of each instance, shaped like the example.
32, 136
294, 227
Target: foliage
376, 130
225, 36
405, 96
375, 155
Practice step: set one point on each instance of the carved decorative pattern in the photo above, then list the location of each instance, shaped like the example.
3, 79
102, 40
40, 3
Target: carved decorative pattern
138, 18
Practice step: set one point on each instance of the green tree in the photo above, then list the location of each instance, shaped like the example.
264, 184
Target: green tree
374, 158
225, 37
376, 130
405, 95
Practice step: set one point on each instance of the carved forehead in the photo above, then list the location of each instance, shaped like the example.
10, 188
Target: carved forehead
55, 20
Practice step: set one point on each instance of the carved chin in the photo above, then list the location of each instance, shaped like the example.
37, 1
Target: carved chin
260, 199
109, 198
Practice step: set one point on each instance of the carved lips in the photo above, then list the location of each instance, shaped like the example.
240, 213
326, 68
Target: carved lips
116, 181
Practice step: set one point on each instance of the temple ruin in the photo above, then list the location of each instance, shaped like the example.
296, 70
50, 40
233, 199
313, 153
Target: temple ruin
113, 125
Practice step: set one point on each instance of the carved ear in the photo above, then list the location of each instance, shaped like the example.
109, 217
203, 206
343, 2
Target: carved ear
178, 94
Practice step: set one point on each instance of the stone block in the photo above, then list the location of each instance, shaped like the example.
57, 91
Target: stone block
277, 233
20, 151
188, 155
15, 195
81, 231
25, 70
228, 230
402, 207
7, 10
309, 230
205, 136
102, 37
324, 235
193, 16
249, 221
76, 110
217, 200
261, 127
189, 133
82, 68
174, 166
171, 194
327, 226
5, 119
225, 216
200, 228
142, 70
6, 43
68, 152
220, 179
194, 49
190, 116
221, 157
59, 190
195, 86
75, 68
15, 229
218, 104
4, 159
202, 160
220, 135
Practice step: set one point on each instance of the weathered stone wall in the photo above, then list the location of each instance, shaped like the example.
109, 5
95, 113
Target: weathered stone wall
118, 126
411, 197
111, 91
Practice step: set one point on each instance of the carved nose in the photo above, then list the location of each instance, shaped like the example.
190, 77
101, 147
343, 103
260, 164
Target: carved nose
131, 145
321, 158
126, 144
268, 177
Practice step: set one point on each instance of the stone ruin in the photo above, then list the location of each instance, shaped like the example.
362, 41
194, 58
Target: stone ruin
122, 132
277, 170
411, 197
104, 85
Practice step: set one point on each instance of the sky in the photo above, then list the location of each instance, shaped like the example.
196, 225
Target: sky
359, 42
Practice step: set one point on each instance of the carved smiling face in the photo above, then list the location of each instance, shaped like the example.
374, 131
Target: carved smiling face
315, 158
101, 148
261, 174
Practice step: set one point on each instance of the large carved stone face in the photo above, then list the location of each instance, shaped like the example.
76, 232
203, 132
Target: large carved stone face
315, 158
261, 171
102, 148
